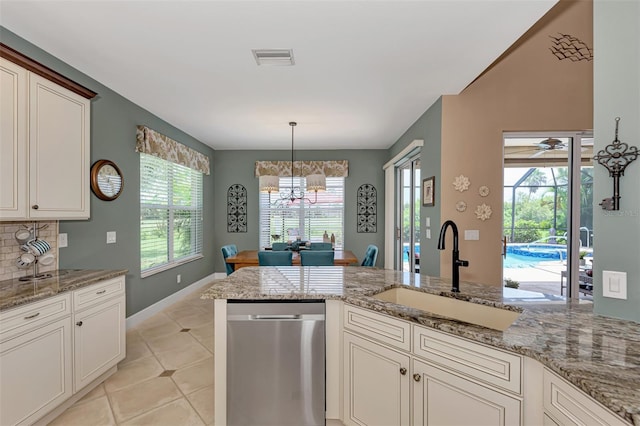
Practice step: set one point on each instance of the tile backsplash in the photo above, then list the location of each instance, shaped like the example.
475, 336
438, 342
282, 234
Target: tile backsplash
10, 248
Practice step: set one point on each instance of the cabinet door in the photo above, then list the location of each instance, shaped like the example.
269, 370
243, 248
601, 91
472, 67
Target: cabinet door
58, 151
13, 141
35, 372
376, 381
99, 340
443, 398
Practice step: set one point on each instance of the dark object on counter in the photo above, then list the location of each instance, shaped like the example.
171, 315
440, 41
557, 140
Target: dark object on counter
456, 263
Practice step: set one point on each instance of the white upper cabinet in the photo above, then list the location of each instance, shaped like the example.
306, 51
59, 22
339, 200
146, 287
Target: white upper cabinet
13, 140
44, 150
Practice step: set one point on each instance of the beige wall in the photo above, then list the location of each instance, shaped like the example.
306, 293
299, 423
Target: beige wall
528, 89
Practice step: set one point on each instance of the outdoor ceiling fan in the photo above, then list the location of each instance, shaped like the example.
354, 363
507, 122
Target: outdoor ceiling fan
549, 144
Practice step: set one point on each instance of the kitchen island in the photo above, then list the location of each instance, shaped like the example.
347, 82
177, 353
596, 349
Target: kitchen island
598, 355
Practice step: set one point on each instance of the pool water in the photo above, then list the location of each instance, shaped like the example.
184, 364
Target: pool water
520, 261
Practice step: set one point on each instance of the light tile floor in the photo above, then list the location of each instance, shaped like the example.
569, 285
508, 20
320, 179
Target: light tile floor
166, 378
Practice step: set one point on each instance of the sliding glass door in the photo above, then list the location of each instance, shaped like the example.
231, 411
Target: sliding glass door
408, 226
548, 226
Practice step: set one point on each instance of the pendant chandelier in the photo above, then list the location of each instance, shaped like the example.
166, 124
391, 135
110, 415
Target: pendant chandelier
315, 183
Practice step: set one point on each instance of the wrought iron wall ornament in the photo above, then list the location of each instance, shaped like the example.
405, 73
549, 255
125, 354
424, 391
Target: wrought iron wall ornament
566, 46
237, 208
367, 209
616, 157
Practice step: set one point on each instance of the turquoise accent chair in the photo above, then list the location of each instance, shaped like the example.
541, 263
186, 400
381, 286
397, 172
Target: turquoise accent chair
321, 246
274, 258
370, 256
316, 257
279, 246
229, 250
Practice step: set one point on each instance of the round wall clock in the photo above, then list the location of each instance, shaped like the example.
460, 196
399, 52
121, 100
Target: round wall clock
106, 180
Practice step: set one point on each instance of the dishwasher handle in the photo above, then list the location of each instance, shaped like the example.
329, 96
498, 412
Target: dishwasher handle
276, 317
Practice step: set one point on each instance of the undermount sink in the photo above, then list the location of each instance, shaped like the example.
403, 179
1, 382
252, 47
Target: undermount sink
461, 310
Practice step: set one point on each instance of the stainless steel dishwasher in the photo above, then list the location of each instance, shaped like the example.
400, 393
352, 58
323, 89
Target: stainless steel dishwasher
275, 363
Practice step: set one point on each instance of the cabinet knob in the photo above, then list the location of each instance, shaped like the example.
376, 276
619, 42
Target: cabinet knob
79, 323
35, 207
416, 377
403, 371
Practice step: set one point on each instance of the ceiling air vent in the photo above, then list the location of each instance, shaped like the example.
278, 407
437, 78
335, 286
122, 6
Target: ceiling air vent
273, 56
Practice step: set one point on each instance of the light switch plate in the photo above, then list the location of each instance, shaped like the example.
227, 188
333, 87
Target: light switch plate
428, 232
62, 240
614, 284
111, 237
471, 234
427, 222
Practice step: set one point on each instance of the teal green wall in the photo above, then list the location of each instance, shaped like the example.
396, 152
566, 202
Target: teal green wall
113, 137
428, 128
237, 167
617, 94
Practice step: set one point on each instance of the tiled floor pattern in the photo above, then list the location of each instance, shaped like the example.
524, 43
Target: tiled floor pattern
166, 378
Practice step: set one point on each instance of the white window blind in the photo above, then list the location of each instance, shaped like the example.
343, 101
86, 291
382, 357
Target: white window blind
170, 214
300, 218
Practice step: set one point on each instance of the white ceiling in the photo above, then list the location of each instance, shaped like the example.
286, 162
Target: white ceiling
365, 70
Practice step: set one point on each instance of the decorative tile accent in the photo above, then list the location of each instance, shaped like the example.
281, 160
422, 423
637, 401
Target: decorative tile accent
184, 330
367, 209
167, 373
237, 208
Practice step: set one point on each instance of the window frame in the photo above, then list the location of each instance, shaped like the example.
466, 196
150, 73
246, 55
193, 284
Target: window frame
172, 206
303, 209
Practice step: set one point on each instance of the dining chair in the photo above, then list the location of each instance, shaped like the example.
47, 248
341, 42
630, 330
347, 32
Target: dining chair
229, 250
316, 257
279, 246
370, 256
321, 246
274, 258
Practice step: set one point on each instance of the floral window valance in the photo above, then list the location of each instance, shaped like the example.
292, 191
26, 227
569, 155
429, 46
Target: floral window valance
150, 142
333, 168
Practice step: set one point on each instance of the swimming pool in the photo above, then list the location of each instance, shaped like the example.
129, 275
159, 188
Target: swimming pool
538, 251
531, 254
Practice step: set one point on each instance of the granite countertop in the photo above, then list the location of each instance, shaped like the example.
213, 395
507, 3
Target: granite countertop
599, 355
15, 292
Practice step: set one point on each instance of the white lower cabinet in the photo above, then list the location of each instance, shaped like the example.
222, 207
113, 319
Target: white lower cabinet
564, 404
377, 383
385, 385
99, 340
442, 398
51, 349
35, 372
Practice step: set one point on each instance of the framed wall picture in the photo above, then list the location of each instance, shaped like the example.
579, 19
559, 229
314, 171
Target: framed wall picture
428, 191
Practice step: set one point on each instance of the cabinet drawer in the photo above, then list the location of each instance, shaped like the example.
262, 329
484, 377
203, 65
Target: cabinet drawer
23, 318
391, 331
570, 406
96, 293
482, 363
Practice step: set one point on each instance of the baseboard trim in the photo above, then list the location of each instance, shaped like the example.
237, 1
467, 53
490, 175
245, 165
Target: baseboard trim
150, 311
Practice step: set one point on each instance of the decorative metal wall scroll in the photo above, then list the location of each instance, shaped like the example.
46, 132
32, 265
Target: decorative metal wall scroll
616, 157
237, 208
367, 209
566, 46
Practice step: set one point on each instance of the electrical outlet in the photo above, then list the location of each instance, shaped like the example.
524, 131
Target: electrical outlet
427, 222
178, 279
428, 232
111, 237
62, 240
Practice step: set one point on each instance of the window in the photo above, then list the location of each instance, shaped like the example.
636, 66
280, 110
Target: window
285, 221
170, 214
